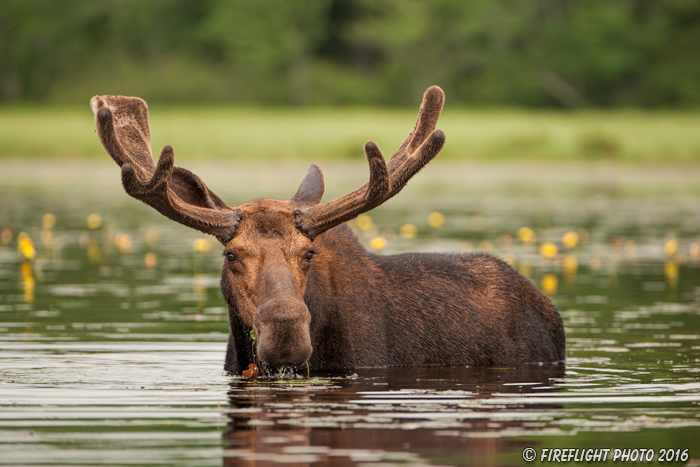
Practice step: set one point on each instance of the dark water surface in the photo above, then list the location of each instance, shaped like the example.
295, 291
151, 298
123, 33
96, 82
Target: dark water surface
113, 331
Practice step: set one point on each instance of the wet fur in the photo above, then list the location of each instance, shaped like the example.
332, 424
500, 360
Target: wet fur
414, 309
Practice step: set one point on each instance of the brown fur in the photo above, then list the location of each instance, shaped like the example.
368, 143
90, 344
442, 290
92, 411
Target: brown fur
297, 277
367, 310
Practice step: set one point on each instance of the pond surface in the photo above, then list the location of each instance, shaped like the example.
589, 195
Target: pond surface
113, 331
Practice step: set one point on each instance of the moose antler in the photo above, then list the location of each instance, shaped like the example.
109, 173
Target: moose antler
386, 180
177, 193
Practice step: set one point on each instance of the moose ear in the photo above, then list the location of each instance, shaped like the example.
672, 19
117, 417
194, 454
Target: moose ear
312, 187
191, 189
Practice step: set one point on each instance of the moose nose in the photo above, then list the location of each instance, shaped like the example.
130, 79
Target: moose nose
283, 332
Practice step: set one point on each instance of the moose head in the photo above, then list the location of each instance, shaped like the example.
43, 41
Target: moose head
269, 245
296, 277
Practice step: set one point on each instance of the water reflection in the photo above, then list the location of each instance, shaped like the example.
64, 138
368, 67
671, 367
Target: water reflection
113, 329
28, 282
415, 415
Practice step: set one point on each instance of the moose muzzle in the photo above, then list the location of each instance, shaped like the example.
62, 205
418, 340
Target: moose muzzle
283, 334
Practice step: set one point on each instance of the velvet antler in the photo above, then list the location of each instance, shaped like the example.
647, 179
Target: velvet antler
177, 193
386, 180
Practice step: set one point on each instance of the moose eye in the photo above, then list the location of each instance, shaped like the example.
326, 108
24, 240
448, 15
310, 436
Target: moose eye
310, 255
230, 257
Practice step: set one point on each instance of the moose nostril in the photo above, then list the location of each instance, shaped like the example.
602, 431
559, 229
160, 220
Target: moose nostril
104, 115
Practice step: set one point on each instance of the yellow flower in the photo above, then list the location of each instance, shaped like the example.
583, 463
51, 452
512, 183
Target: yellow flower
48, 221
201, 245
378, 243
364, 222
408, 231
549, 250
549, 284
25, 246
527, 235
569, 239
671, 246
28, 282
123, 242
150, 260
94, 221
436, 219
570, 264
671, 273
25, 270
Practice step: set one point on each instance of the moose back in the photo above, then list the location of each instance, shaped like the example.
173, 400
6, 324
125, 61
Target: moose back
301, 289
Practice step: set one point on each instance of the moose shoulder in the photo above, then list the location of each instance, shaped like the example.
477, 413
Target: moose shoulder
297, 277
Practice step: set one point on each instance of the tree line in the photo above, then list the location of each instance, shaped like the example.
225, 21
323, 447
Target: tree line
532, 53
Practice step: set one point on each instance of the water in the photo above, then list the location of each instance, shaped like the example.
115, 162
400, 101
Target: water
112, 338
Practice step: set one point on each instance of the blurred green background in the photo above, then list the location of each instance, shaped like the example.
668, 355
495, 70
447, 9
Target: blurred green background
273, 79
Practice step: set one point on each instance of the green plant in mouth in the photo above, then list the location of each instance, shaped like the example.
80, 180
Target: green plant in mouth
253, 369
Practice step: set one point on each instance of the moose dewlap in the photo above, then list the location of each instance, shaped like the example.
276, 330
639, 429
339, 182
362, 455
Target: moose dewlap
301, 289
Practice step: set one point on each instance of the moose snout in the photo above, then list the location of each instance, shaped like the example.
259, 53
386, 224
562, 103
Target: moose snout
283, 333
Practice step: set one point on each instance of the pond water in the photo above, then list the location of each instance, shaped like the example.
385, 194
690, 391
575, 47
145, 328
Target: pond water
113, 331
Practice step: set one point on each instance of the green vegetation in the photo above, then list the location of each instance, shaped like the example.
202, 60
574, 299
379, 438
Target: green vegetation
315, 79
221, 133
538, 53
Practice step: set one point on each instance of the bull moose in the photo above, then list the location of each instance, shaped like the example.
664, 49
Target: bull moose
296, 276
